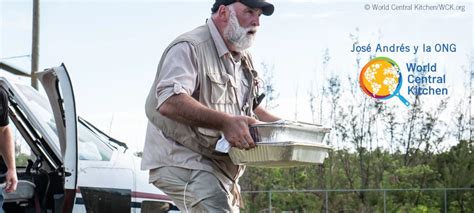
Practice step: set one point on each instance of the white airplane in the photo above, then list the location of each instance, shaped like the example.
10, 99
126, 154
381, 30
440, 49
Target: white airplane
73, 166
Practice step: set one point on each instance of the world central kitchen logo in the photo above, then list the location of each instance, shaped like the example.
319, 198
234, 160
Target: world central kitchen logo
381, 78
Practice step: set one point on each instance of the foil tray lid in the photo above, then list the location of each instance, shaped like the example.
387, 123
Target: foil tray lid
291, 143
294, 125
288, 131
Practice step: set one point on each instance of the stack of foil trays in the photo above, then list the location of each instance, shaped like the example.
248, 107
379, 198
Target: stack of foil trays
284, 144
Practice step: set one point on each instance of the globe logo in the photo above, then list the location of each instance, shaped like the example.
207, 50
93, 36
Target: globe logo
381, 78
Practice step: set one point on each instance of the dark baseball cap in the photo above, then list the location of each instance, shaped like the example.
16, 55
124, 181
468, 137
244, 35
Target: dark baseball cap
267, 8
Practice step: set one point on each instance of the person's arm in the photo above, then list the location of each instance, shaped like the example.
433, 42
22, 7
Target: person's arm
184, 109
7, 146
7, 149
264, 115
177, 81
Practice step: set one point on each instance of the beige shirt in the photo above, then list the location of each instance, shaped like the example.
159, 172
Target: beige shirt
179, 75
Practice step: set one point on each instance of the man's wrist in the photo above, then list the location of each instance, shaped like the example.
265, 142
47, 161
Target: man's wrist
225, 120
11, 169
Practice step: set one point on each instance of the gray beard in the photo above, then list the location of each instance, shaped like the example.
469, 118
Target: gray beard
237, 35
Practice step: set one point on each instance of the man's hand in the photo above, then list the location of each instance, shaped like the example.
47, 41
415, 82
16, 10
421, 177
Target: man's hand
236, 131
185, 109
11, 181
264, 115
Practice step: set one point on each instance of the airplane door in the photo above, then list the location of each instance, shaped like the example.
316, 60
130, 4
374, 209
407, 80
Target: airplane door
58, 85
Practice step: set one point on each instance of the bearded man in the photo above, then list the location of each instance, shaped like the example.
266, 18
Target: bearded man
205, 90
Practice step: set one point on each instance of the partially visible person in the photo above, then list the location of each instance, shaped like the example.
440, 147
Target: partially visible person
7, 147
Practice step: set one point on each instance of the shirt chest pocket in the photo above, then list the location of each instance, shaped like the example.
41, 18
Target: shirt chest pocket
222, 88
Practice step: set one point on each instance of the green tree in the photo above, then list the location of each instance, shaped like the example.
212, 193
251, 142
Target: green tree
457, 171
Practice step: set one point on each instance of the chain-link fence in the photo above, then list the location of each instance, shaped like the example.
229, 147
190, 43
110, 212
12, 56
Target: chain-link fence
361, 200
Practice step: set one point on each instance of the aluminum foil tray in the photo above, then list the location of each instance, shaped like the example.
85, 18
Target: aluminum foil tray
280, 154
284, 144
288, 131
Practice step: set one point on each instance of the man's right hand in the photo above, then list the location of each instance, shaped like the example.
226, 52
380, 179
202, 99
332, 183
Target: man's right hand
11, 181
236, 131
185, 109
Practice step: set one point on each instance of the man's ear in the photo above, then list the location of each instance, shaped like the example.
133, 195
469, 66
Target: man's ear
223, 13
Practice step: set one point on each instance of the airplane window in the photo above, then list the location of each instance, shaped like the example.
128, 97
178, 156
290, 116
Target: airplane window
92, 147
41, 108
22, 149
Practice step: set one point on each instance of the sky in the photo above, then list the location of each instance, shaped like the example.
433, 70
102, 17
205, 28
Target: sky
112, 48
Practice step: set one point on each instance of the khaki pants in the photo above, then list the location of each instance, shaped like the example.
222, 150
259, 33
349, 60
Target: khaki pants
194, 190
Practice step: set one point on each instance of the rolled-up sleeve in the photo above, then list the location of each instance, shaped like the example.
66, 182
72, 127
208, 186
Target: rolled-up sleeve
178, 72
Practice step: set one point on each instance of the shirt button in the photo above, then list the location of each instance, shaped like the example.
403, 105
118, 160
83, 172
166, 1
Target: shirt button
177, 88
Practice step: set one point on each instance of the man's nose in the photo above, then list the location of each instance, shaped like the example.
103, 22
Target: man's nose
256, 21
